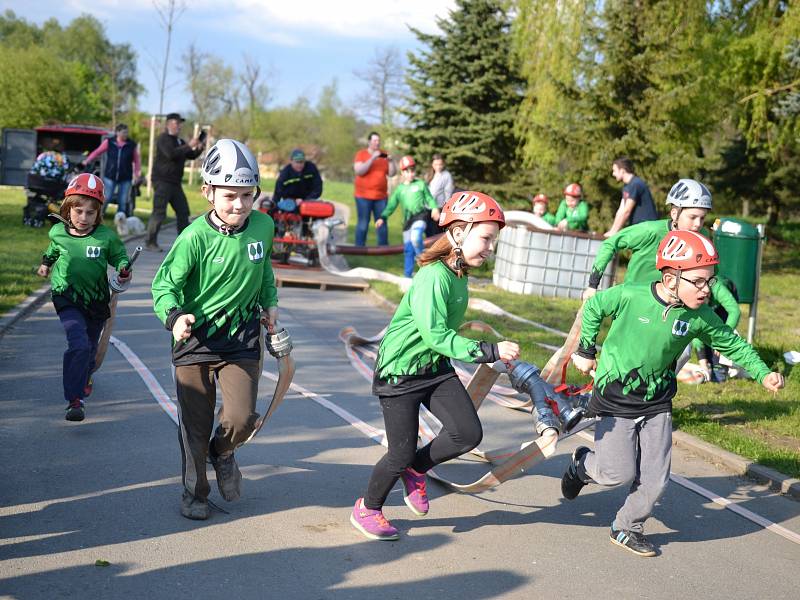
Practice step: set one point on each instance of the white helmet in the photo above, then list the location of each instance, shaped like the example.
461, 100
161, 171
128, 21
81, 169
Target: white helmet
688, 193
230, 163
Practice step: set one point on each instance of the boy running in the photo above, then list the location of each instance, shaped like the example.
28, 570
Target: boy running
213, 291
417, 203
635, 380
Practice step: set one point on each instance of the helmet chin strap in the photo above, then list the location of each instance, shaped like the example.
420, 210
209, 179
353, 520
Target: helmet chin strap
459, 264
675, 300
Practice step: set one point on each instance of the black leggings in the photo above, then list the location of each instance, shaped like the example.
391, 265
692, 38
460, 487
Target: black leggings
460, 433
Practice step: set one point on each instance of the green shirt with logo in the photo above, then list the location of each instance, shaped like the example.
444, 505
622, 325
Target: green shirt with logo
421, 337
224, 281
414, 198
636, 371
79, 268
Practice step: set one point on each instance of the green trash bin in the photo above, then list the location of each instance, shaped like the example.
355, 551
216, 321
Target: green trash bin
737, 244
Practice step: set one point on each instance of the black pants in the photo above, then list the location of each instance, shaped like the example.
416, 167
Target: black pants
461, 432
172, 194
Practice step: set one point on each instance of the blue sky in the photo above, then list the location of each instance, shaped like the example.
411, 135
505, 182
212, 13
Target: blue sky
304, 44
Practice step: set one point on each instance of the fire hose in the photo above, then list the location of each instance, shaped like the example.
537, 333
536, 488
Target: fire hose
556, 414
117, 287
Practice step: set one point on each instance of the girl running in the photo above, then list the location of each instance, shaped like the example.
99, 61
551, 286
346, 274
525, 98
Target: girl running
413, 366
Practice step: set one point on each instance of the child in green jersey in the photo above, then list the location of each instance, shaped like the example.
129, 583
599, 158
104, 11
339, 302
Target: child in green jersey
634, 382
417, 203
573, 212
539, 204
413, 366
689, 201
77, 258
213, 291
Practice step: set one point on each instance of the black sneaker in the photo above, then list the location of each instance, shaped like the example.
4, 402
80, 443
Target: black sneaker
229, 478
193, 507
571, 483
153, 247
75, 411
633, 541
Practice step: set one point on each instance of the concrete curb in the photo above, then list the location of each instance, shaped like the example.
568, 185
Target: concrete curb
739, 465
745, 467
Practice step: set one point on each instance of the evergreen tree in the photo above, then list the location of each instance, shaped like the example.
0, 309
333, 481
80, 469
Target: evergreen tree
464, 95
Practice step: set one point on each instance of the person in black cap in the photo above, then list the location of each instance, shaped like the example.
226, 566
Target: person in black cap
299, 180
171, 153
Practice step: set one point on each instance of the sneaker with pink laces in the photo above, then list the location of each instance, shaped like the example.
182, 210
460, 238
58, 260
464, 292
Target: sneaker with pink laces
414, 493
372, 523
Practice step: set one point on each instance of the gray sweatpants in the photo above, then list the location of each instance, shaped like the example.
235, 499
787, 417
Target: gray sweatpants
196, 400
636, 451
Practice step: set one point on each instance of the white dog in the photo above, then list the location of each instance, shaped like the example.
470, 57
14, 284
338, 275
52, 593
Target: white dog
135, 226
121, 223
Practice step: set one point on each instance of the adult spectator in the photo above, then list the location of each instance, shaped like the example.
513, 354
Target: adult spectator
637, 204
440, 182
123, 164
299, 180
171, 153
371, 166
573, 212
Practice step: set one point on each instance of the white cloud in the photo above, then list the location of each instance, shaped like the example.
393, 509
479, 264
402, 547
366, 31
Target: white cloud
285, 23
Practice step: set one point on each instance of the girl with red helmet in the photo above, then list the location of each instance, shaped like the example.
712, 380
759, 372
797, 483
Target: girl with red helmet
413, 365
80, 250
573, 212
635, 381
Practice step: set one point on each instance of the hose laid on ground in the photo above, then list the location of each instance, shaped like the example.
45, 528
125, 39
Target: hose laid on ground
507, 463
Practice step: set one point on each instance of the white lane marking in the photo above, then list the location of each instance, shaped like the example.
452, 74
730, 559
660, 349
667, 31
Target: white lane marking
379, 435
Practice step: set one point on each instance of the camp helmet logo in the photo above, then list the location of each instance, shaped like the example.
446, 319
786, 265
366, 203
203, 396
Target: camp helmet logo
680, 328
255, 251
93, 252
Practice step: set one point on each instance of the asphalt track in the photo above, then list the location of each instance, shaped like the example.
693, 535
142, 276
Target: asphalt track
108, 489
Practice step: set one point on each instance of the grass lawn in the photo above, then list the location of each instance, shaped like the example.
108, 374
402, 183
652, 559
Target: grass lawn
739, 416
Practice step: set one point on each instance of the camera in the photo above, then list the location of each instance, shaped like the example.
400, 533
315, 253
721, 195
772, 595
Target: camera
203, 135
383, 155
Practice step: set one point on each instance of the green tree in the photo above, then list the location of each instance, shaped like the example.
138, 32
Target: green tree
464, 96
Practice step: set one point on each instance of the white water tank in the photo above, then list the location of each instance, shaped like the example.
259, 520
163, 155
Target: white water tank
547, 263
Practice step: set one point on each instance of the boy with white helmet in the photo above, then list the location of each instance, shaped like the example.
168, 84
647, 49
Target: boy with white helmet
635, 379
690, 202
213, 291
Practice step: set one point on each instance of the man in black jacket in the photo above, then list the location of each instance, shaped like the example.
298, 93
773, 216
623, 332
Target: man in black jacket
171, 153
299, 180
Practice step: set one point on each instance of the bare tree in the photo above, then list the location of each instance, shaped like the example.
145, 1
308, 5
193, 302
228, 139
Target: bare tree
169, 11
383, 77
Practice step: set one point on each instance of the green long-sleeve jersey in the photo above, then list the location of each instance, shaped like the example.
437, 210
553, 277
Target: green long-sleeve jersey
421, 337
577, 218
636, 372
643, 240
79, 268
414, 198
224, 281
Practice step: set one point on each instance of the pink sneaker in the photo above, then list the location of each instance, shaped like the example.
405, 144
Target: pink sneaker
414, 493
372, 523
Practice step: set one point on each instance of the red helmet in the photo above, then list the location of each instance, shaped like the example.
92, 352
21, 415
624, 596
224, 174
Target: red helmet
685, 250
86, 184
574, 190
472, 207
540, 198
407, 162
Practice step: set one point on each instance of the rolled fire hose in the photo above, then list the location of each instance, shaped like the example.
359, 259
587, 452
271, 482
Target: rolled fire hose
507, 463
116, 289
279, 345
